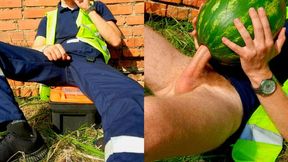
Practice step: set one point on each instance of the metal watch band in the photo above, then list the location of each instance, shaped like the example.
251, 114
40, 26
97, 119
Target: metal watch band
262, 90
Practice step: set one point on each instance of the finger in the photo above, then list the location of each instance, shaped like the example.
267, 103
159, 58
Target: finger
257, 26
244, 33
61, 49
54, 56
265, 23
234, 47
48, 55
198, 63
66, 57
194, 22
196, 44
57, 53
280, 40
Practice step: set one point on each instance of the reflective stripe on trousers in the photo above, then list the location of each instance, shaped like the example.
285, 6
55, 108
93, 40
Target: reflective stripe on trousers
124, 144
1, 72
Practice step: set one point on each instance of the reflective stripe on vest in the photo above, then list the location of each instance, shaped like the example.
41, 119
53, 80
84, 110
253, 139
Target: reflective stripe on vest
87, 33
260, 139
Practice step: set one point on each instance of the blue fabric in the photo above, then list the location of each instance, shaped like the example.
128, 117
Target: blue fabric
119, 99
123, 157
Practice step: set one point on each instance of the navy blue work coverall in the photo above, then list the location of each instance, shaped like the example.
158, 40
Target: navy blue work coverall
118, 98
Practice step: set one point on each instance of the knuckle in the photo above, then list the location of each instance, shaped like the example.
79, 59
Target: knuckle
270, 43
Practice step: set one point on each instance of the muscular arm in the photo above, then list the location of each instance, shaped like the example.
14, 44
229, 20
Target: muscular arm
108, 30
52, 52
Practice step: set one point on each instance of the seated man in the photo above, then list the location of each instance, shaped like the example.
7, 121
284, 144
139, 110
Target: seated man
197, 107
72, 51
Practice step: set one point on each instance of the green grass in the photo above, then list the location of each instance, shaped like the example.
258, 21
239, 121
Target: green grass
176, 32
83, 144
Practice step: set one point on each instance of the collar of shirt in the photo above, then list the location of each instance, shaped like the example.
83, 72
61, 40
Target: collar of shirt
65, 9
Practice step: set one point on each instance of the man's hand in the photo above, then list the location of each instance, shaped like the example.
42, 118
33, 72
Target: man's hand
83, 4
257, 53
55, 52
194, 73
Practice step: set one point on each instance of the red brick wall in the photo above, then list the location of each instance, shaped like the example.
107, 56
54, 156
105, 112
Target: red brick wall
179, 9
19, 20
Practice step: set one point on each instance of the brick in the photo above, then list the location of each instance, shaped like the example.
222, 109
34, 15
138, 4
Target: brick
10, 14
28, 24
134, 42
155, 8
120, 9
7, 25
190, 3
131, 52
126, 31
138, 30
36, 12
41, 2
139, 8
178, 12
126, 64
193, 14
115, 1
172, 1
10, 3
16, 35
29, 35
120, 20
135, 20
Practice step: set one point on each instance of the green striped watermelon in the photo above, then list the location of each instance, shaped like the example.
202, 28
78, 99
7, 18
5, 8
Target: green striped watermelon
215, 20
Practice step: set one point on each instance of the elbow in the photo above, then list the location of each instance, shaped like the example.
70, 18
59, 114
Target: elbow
116, 42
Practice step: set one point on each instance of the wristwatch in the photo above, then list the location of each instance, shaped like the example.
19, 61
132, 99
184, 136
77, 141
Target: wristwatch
267, 86
91, 8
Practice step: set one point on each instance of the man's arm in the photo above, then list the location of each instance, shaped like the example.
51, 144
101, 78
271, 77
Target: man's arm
107, 29
255, 57
52, 52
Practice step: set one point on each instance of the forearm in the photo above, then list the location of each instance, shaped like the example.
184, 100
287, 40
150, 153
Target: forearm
276, 106
110, 33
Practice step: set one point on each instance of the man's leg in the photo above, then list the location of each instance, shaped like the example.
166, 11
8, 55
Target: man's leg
191, 123
119, 101
22, 64
163, 63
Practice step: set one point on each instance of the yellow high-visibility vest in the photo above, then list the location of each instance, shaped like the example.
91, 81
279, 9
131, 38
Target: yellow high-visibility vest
87, 33
260, 140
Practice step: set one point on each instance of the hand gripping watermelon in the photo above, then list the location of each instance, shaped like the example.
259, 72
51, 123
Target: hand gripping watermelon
216, 17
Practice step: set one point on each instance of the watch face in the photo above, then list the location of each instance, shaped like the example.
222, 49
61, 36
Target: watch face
268, 86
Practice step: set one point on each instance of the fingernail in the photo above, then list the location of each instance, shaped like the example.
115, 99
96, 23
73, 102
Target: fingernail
261, 9
237, 20
252, 9
224, 39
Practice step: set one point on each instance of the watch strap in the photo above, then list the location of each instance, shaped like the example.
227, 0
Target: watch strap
91, 8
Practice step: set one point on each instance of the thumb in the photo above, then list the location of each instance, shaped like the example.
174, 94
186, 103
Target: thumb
198, 63
280, 40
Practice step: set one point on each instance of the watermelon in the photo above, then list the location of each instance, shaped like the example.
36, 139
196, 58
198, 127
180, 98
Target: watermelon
215, 21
